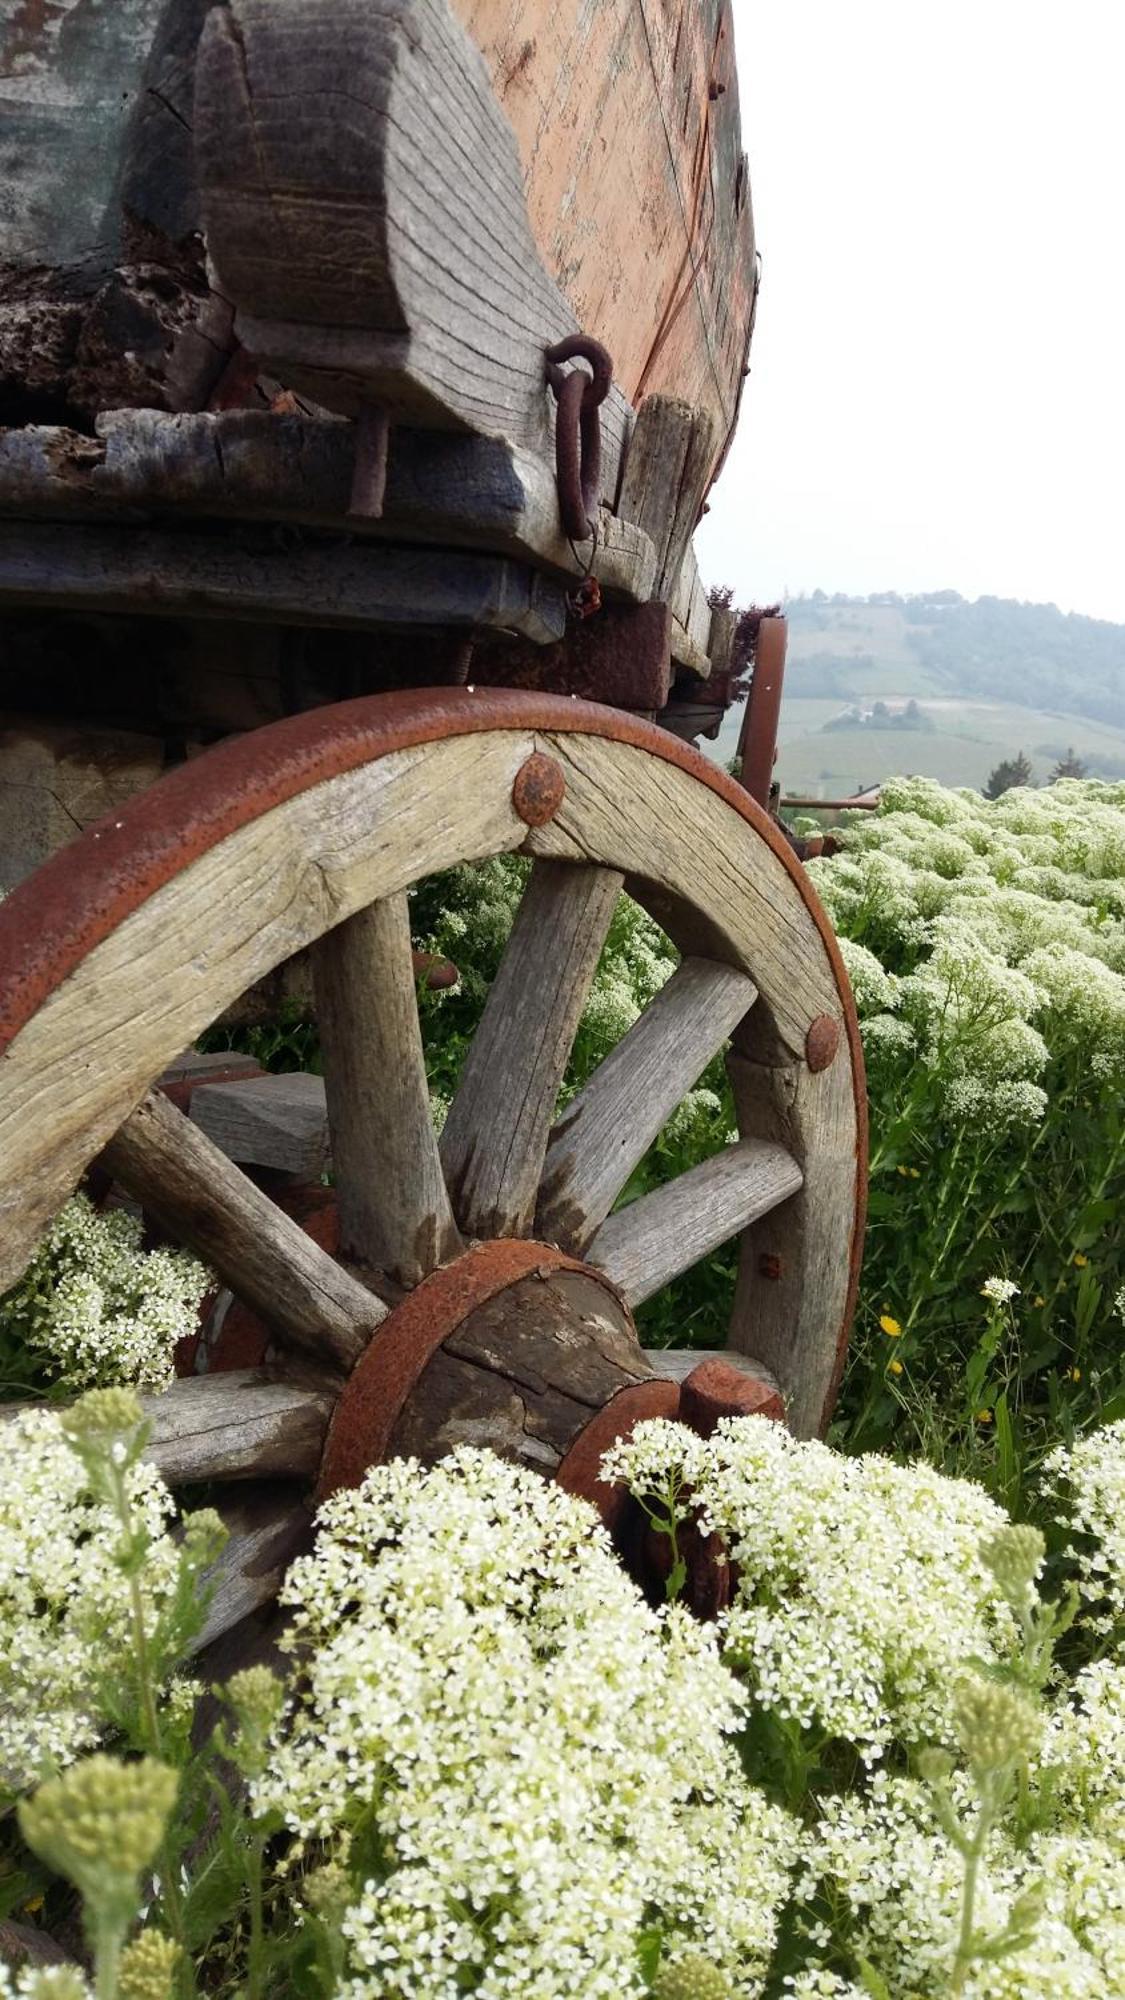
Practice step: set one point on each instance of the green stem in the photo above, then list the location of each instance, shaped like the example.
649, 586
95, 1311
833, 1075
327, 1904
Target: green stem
255, 1986
107, 1943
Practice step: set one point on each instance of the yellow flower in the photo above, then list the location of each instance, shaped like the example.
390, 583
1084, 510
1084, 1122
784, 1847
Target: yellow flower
1038, 1300
903, 1171
890, 1326
984, 1416
914, 1174
895, 1367
1080, 1260
36, 1903
1076, 1374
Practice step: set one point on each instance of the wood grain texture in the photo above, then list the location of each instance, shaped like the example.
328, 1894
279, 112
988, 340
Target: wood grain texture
163, 573
610, 1125
237, 1425
635, 178
394, 1209
257, 465
269, 1525
495, 1136
666, 1232
796, 1321
523, 1374
202, 1200
671, 452
364, 206
166, 972
267, 1121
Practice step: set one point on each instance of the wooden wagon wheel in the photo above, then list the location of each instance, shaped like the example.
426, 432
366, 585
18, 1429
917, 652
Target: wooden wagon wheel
483, 1285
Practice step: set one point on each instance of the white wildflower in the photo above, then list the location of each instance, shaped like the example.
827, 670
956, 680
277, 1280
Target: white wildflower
1089, 1476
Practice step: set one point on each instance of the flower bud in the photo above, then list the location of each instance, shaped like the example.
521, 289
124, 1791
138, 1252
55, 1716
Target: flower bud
99, 1825
148, 1968
694, 1978
1015, 1556
995, 1725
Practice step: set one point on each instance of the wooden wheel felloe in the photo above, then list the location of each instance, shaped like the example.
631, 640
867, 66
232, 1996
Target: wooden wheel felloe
127, 945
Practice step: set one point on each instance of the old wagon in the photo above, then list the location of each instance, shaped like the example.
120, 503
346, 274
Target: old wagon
365, 365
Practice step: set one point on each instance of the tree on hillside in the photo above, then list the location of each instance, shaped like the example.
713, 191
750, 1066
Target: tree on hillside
1070, 766
1009, 773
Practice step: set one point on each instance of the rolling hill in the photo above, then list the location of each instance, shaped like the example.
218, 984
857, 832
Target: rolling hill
943, 687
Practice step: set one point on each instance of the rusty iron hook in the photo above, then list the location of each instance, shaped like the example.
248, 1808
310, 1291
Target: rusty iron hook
578, 435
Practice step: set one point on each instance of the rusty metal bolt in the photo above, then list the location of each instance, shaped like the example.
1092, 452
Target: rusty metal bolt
539, 789
822, 1042
769, 1265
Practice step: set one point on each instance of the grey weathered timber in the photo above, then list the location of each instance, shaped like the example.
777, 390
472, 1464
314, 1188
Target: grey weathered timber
691, 619
675, 1364
524, 1374
610, 1125
796, 1266
331, 136
267, 1121
266, 466
651, 1241
165, 572
202, 1200
671, 452
394, 1210
495, 1136
54, 780
268, 1526
237, 1425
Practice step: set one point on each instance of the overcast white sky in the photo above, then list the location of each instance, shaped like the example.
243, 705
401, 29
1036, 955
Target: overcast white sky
937, 396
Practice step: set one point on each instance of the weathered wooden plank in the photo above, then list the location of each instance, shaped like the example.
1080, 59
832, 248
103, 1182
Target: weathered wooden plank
195, 1193
258, 465
55, 780
610, 1125
671, 452
645, 1245
267, 1121
364, 207
164, 573
757, 743
797, 1267
495, 1136
237, 1425
394, 1209
268, 1526
675, 1364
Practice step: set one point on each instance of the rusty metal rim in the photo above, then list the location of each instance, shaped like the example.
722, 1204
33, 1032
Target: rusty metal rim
54, 918
395, 1358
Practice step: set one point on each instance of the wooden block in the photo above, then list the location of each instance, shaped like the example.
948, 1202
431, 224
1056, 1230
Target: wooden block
267, 1121
170, 574
665, 477
54, 781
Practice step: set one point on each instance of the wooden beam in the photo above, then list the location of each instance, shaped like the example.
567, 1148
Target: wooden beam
267, 1121
237, 1425
170, 573
651, 1241
394, 1210
364, 207
495, 1136
268, 1526
194, 1192
442, 487
671, 452
610, 1125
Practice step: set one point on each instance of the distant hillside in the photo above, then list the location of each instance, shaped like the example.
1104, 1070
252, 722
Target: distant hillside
942, 687
1033, 655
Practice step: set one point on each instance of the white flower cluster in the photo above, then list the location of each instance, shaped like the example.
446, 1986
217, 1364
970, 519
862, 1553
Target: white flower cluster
1090, 1478
45, 1982
987, 936
64, 1602
861, 1590
96, 1310
525, 1766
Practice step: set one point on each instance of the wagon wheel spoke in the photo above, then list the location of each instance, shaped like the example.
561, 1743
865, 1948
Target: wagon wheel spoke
203, 1201
607, 1129
394, 1210
495, 1136
647, 1244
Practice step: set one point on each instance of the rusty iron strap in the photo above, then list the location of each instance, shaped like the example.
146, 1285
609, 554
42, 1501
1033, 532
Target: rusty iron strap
578, 432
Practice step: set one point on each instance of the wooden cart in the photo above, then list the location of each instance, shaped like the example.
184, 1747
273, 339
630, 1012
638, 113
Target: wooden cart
335, 549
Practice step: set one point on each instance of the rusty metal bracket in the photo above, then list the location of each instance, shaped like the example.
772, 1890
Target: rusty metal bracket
578, 431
